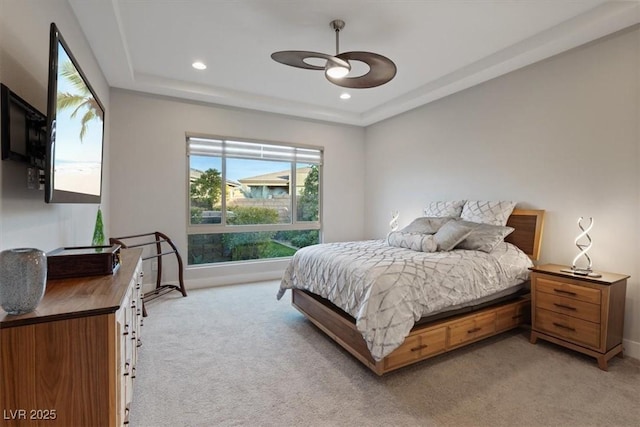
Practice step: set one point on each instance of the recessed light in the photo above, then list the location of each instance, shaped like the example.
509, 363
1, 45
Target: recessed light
199, 65
345, 95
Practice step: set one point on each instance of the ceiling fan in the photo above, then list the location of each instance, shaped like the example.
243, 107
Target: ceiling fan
381, 68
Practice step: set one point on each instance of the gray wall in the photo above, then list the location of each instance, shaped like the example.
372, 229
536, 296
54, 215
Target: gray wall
25, 219
559, 135
149, 179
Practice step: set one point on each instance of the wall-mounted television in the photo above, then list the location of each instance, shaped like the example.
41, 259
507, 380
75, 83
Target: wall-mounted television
75, 130
23, 129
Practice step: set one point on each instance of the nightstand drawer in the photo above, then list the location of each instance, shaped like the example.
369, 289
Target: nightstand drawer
583, 313
567, 290
569, 328
570, 307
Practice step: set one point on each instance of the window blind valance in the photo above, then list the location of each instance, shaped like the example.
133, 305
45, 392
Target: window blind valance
252, 150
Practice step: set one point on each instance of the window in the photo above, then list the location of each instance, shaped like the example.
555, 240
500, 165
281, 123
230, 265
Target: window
251, 200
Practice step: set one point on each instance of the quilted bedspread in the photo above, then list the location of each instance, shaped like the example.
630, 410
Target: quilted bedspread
387, 289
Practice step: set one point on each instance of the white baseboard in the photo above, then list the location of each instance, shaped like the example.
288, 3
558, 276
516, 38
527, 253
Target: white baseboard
631, 348
233, 279
210, 282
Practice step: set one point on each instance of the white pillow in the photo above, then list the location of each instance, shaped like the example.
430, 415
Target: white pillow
451, 234
414, 241
442, 209
487, 212
484, 237
426, 225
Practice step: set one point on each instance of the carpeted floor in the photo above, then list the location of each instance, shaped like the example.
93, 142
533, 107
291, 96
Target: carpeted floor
234, 356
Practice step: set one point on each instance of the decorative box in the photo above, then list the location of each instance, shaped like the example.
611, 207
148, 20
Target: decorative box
82, 261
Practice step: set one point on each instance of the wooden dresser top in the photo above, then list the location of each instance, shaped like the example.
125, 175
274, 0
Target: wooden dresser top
556, 270
80, 296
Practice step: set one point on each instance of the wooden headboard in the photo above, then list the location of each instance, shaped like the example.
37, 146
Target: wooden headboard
528, 231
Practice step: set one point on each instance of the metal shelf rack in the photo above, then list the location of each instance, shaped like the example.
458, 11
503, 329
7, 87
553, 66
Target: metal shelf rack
160, 240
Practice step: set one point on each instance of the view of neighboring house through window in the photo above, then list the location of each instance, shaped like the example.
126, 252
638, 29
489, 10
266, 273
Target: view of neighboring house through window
251, 200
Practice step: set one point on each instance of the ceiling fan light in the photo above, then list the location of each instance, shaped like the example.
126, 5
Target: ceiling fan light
337, 71
336, 68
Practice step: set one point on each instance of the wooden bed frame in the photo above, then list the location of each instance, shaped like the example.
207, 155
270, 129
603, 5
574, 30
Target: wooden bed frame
432, 338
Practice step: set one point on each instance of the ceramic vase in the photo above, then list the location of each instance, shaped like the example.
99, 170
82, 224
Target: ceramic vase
23, 278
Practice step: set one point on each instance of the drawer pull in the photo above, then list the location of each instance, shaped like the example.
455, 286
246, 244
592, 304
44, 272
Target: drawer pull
470, 331
562, 291
126, 329
566, 307
126, 368
569, 328
420, 347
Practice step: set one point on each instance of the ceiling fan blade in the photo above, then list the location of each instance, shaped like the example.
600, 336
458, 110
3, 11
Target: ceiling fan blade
296, 58
381, 70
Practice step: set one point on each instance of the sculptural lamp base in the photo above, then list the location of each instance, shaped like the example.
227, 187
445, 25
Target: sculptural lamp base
584, 248
23, 278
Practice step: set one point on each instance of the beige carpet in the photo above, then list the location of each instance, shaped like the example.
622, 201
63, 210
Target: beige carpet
234, 356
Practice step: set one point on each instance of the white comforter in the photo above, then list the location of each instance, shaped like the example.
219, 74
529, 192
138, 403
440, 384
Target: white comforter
387, 289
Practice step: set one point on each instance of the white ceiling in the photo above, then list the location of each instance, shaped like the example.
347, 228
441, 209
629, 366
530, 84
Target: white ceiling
439, 47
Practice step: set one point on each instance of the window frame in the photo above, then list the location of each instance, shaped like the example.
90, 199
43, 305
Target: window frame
223, 227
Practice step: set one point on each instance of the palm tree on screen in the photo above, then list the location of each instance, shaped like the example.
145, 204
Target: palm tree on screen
82, 101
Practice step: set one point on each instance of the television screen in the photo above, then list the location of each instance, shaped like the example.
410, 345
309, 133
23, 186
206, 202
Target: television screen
75, 128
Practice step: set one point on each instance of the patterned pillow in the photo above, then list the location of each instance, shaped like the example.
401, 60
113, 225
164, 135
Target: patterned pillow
426, 225
442, 209
484, 237
414, 241
486, 212
451, 234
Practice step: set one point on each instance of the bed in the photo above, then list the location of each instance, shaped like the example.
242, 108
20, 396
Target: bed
392, 321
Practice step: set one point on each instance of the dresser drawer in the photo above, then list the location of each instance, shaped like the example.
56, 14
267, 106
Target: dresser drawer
471, 329
418, 346
570, 307
568, 290
567, 327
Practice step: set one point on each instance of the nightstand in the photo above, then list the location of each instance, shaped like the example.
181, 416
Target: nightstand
585, 314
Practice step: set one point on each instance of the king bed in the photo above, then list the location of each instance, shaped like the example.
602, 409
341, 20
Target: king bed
394, 303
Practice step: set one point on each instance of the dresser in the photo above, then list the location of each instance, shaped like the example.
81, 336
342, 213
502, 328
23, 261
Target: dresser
582, 313
72, 362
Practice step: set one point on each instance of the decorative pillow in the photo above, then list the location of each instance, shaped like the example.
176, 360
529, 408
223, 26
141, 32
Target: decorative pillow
426, 225
486, 212
414, 241
442, 209
450, 234
484, 237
